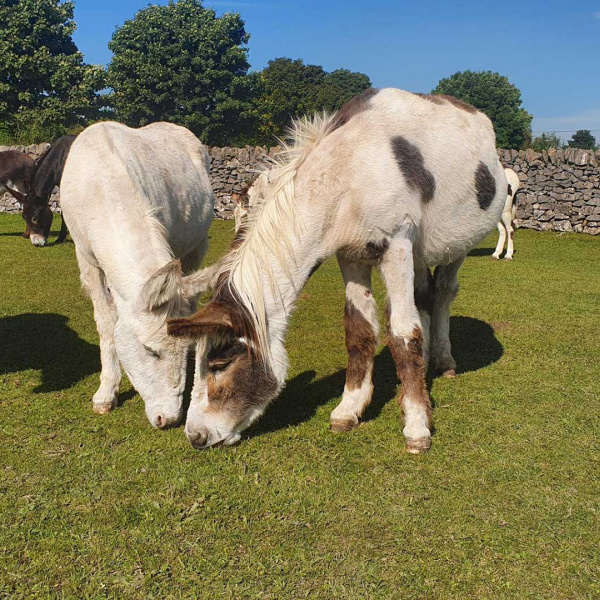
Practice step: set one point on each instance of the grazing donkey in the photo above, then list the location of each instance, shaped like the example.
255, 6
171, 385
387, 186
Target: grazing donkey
395, 180
505, 225
16, 172
48, 173
136, 201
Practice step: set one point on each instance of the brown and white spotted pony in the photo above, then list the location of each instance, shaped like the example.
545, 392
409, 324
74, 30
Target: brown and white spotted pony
394, 180
16, 173
505, 225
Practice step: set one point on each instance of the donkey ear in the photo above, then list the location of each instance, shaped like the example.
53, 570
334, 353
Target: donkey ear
213, 318
199, 282
20, 197
163, 287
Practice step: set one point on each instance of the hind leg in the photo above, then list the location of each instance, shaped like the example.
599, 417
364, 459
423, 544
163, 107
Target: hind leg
446, 287
360, 323
510, 247
406, 340
501, 240
105, 315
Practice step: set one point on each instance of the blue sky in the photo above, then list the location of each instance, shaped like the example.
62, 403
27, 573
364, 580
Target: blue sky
550, 50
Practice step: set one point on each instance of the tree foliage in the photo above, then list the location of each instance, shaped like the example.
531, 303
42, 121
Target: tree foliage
546, 141
583, 139
289, 88
45, 87
499, 99
182, 63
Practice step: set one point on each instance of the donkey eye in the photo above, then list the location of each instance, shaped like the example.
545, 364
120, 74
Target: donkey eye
151, 352
219, 364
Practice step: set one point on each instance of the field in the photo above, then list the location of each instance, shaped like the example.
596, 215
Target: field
505, 505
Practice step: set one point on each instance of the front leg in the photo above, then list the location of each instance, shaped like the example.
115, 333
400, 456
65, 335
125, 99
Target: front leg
360, 322
105, 315
406, 340
62, 236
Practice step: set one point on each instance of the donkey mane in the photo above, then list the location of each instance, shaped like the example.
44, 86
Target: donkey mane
247, 262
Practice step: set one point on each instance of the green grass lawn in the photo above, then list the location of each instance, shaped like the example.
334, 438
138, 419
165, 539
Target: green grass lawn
505, 505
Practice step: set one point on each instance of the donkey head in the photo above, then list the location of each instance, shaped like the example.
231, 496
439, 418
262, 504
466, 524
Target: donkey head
38, 217
233, 384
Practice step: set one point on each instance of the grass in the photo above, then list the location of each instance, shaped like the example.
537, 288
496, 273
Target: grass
505, 505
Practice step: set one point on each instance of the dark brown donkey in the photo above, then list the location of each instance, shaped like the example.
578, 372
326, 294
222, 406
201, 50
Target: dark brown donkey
48, 173
16, 173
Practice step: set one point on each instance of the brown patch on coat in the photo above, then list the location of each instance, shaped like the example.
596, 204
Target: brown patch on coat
222, 316
485, 186
436, 99
411, 163
460, 103
372, 252
353, 107
237, 380
440, 99
360, 344
410, 367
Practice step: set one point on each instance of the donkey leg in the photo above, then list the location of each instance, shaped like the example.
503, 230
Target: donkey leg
424, 292
360, 322
405, 340
105, 315
501, 240
62, 236
510, 247
446, 287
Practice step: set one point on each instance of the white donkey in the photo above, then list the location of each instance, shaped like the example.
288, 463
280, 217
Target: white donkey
505, 225
135, 201
395, 180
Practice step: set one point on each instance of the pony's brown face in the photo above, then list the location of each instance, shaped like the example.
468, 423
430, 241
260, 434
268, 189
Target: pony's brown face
39, 220
232, 385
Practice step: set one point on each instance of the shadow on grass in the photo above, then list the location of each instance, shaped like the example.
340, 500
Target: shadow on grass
474, 346
44, 342
481, 252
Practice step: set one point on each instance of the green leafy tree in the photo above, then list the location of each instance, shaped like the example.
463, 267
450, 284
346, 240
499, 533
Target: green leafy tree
498, 98
583, 139
182, 63
45, 87
289, 88
546, 141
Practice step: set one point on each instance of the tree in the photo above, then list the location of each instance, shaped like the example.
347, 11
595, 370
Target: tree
45, 87
289, 89
546, 141
583, 139
182, 63
499, 99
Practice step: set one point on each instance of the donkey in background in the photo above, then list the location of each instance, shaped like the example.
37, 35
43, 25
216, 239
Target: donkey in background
36, 205
505, 225
400, 181
16, 173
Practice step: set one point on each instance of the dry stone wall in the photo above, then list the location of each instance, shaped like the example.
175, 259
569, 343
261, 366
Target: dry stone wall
560, 189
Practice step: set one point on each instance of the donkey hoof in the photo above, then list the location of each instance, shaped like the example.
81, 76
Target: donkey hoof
103, 409
419, 446
342, 426
494, 257
508, 258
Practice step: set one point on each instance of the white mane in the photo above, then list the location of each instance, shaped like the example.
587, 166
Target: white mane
274, 213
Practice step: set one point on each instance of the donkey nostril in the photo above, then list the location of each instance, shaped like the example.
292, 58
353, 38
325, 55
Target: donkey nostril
199, 439
161, 421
